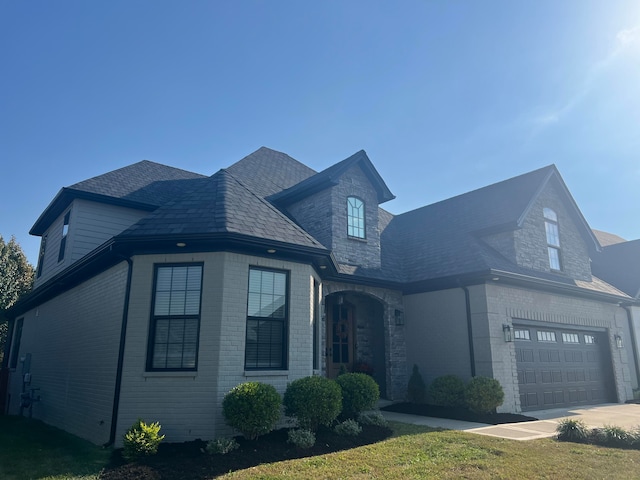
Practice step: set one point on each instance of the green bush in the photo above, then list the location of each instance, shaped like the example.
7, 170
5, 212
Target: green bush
348, 428
313, 401
221, 446
372, 418
253, 408
416, 390
301, 438
483, 394
447, 391
141, 440
571, 430
360, 392
613, 436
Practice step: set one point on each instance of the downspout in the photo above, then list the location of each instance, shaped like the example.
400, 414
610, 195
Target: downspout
472, 356
123, 335
634, 345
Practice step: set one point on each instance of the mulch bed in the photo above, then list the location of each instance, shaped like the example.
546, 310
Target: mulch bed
188, 461
457, 413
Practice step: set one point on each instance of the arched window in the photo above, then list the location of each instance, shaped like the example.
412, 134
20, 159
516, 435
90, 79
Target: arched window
553, 238
355, 217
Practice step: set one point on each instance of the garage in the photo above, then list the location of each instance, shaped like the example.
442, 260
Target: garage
561, 367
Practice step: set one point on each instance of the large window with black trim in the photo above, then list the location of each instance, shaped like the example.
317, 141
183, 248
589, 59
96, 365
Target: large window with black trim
553, 238
355, 217
175, 317
267, 319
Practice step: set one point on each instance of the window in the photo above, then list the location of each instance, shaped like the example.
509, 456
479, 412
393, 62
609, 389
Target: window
15, 348
546, 336
570, 338
520, 334
355, 217
267, 315
553, 238
63, 240
175, 319
590, 339
43, 247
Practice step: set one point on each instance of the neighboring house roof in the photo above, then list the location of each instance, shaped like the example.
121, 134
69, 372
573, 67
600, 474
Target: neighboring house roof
221, 204
144, 185
606, 238
330, 177
619, 264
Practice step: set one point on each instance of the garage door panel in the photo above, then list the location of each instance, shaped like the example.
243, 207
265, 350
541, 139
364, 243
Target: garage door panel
561, 373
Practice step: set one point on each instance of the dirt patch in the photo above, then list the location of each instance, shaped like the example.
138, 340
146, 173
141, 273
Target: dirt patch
457, 413
188, 461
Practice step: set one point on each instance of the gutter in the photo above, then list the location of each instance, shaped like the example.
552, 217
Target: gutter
123, 335
472, 356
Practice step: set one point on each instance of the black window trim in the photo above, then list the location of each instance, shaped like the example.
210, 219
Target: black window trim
65, 233
15, 340
285, 320
557, 248
153, 318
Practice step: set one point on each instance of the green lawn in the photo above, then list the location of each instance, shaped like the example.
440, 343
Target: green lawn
31, 450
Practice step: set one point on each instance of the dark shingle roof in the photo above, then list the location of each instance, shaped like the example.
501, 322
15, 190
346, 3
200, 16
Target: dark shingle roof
606, 238
266, 171
329, 177
144, 184
619, 264
222, 204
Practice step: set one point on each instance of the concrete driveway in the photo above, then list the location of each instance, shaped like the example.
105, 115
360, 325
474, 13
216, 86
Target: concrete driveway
621, 415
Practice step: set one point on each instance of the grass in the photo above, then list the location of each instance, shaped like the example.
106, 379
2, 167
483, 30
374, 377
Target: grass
29, 449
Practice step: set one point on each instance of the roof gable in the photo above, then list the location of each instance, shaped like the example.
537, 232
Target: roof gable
329, 177
144, 185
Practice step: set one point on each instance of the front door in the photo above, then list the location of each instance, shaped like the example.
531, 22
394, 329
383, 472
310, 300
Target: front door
340, 338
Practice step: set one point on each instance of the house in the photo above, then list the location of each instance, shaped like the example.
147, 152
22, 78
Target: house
618, 263
158, 290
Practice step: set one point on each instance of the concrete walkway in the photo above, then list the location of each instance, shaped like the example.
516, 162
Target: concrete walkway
622, 415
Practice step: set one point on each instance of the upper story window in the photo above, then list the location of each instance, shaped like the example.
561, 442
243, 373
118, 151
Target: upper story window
43, 248
175, 318
63, 240
553, 238
267, 320
355, 217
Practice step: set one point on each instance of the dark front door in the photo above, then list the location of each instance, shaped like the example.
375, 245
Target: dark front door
340, 338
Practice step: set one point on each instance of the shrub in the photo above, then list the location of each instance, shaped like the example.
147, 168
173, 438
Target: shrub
348, 428
253, 408
372, 418
613, 436
416, 390
360, 392
301, 438
314, 401
571, 430
141, 440
447, 391
483, 394
221, 446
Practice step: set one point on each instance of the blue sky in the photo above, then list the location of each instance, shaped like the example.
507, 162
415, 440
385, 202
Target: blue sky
445, 97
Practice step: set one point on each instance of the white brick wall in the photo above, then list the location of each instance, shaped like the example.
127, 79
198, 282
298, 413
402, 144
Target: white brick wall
189, 404
73, 340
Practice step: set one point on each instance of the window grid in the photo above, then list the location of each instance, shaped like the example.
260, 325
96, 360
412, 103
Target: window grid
590, 339
553, 238
520, 334
570, 338
267, 319
546, 336
63, 240
175, 323
355, 217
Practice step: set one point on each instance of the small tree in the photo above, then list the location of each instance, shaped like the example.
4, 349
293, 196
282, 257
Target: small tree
16, 279
416, 391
